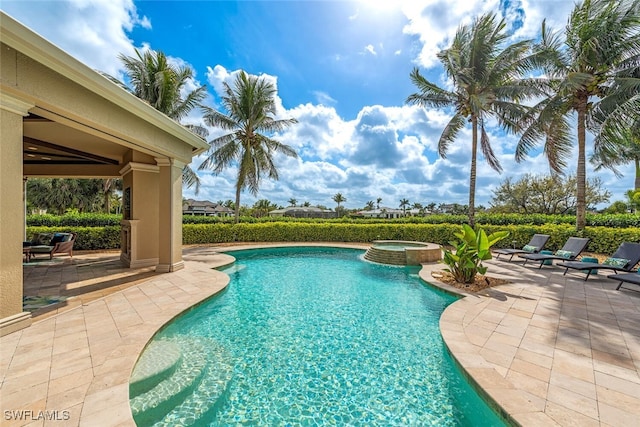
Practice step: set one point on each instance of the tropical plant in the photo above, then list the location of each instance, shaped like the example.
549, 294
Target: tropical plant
473, 247
369, 205
152, 78
601, 43
403, 205
250, 118
378, 200
293, 202
486, 82
339, 198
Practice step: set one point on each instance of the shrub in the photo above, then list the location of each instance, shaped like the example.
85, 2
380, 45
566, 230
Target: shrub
472, 247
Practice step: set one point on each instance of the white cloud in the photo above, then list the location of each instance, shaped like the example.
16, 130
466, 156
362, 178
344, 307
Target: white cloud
369, 48
94, 32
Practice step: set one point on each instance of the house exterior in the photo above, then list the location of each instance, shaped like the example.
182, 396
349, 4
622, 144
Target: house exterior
303, 212
383, 213
60, 118
205, 208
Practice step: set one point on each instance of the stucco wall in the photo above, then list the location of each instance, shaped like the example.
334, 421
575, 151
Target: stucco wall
11, 213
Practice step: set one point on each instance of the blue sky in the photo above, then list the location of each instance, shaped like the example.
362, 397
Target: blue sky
341, 69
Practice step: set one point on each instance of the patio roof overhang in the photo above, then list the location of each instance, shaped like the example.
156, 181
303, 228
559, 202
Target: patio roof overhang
57, 137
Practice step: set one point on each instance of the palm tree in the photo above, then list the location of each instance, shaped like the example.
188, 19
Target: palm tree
339, 198
378, 200
486, 81
293, 202
161, 84
403, 205
369, 205
602, 42
624, 151
250, 118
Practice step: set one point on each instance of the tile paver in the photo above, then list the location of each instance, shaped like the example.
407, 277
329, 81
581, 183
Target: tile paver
577, 359
547, 349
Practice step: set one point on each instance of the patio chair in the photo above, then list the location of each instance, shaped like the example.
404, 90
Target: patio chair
535, 245
633, 278
569, 252
60, 243
623, 259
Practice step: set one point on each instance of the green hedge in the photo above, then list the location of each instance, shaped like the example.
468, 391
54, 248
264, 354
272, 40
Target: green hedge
88, 238
603, 239
593, 220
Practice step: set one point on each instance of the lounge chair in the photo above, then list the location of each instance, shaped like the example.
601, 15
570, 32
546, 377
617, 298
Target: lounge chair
60, 243
569, 252
535, 245
623, 259
633, 278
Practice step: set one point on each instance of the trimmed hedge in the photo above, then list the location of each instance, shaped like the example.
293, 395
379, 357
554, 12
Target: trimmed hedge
88, 238
604, 240
593, 220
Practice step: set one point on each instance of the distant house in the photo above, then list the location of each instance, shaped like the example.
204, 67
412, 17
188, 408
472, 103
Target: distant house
206, 208
383, 213
303, 212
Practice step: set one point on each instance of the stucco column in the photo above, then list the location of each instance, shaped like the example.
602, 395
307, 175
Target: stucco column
140, 228
170, 215
12, 318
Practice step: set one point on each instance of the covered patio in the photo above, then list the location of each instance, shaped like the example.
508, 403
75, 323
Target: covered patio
60, 118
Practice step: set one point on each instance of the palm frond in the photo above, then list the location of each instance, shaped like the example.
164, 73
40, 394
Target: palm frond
450, 133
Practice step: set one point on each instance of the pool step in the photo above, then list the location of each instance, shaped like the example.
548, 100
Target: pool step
152, 405
210, 395
158, 361
191, 391
384, 256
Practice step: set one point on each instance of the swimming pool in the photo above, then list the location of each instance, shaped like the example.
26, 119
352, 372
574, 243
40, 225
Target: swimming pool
310, 336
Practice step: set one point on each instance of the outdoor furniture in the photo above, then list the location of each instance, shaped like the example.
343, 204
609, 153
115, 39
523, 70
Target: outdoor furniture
623, 259
60, 243
569, 252
633, 278
26, 251
536, 244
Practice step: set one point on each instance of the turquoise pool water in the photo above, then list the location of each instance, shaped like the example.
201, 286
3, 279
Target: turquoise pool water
317, 336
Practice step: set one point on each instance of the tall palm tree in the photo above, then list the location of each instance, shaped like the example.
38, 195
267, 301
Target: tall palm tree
250, 118
293, 202
602, 42
378, 200
486, 83
369, 205
152, 78
339, 198
403, 205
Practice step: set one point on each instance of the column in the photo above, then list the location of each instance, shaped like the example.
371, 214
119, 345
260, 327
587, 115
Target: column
170, 215
12, 318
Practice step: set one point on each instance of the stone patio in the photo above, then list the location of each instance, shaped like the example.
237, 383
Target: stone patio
548, 349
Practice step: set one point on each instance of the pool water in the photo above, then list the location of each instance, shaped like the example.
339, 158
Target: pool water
317, 336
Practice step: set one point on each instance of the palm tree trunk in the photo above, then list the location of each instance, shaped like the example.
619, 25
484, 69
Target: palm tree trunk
637, 182
472, 175
581, 173
237, 207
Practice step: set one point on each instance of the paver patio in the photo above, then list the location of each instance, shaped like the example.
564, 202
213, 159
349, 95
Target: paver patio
549, 349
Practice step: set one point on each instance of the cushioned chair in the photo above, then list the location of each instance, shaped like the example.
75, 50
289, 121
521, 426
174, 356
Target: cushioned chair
535, 245
569, 252
633, 278
623, 259
60, 243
